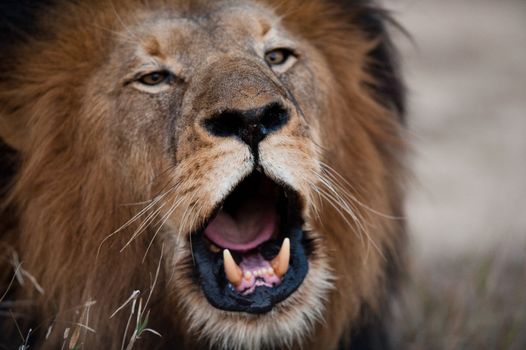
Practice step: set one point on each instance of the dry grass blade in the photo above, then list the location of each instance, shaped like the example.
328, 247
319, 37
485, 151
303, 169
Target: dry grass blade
141, 313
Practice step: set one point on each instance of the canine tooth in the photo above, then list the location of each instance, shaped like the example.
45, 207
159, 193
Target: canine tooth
248, 275
232, 271
270, 271
280, 263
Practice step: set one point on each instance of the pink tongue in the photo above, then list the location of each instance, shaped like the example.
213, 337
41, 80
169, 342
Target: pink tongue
253, 224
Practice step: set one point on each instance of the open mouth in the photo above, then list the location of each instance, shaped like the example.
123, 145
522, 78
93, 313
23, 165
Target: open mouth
252, 253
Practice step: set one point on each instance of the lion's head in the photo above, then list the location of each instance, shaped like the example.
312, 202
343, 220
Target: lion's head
232, 167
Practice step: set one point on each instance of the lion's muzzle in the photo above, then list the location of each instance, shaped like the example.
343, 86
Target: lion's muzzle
251, 252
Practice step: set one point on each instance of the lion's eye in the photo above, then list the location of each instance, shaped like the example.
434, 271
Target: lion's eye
278, 56
154, 78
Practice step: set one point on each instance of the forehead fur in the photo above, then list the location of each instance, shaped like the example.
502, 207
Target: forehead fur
81, 32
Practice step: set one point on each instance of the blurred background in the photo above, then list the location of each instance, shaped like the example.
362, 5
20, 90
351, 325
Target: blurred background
466, 73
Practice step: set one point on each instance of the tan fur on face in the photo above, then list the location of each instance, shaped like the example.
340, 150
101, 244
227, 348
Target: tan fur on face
114, 175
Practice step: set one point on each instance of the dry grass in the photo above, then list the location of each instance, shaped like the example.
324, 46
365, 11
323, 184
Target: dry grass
465, 303
472, 302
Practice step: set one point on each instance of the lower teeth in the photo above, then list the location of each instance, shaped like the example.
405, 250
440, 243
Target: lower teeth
278, 266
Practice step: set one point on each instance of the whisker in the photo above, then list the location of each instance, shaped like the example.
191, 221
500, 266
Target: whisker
361, 229
338, 208
346, 205
360, 221
149, 219
196, 217
143, 211
163, 188
343, 207
161, 223
337, 177
184, 218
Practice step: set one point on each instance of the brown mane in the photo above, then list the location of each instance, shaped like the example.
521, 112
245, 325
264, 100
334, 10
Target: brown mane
65, 194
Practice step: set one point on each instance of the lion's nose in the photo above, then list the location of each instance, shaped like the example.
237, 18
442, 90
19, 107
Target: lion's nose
251, 126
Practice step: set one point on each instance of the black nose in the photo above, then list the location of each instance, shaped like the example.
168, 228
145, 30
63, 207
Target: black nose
250, 126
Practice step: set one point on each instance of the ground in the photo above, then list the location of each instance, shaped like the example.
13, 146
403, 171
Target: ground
465, 69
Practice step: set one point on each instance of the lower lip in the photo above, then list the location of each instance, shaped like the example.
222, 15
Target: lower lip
262, 299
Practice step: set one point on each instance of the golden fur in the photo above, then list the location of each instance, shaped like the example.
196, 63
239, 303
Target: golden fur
93, 153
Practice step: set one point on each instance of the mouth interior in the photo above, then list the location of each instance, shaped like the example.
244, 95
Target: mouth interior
248, 217
252, 253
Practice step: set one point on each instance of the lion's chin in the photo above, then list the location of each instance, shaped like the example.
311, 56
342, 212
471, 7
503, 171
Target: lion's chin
252, 253
287, 325
269, 310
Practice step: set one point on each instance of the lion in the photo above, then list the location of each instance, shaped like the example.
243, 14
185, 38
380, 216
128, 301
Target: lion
200, 174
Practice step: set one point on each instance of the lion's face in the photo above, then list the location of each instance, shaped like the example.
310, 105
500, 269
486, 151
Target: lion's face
224, 111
